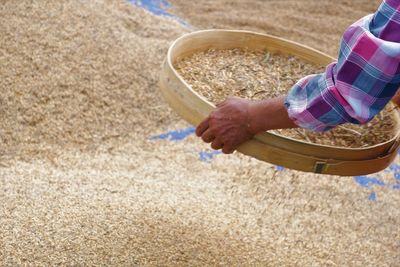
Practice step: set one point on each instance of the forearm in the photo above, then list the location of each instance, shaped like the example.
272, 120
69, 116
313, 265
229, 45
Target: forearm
361, 83
269, 114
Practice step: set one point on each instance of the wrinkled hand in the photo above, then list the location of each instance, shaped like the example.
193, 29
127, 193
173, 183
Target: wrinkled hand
228, 126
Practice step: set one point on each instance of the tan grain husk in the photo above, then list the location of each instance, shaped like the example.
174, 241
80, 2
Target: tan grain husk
73, 193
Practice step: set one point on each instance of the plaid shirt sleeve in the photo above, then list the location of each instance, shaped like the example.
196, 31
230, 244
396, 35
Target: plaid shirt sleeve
363, 80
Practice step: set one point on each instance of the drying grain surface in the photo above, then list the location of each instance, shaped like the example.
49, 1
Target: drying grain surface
81, 185
78, 74
255, 75
135, 206
316, 23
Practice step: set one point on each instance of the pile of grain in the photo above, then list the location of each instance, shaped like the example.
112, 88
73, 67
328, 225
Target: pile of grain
319, 24
110, 200
217, 74
241, 72
79, 74
151, 204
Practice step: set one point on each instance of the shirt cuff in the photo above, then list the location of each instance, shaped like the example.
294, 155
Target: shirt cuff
311, 105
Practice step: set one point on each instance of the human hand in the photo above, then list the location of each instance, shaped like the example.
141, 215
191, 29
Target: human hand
228, 126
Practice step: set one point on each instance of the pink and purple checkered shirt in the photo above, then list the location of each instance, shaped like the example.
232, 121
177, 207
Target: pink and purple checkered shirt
363, 80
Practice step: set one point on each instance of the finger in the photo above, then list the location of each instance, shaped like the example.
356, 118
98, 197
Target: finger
202, 127
228, 149
217, 144
208, 136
